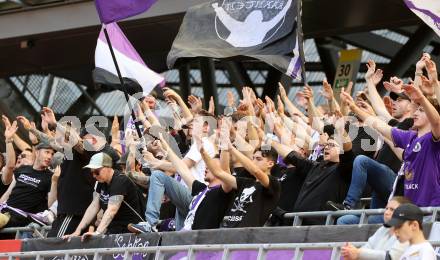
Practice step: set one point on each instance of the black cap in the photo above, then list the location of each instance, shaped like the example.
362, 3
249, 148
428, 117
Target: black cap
404, 213
43, 144
394, 96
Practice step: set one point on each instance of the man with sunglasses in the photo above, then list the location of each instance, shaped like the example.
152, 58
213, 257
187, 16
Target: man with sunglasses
115, 194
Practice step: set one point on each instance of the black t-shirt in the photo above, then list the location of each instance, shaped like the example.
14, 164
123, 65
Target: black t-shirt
31, 188
75, 185
386, 155
291, 184
365, 142
121, 185
253, 203
211, 210
241, 172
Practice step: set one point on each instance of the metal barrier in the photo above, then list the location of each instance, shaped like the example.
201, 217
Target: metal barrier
40, 231
363, 213
191, 250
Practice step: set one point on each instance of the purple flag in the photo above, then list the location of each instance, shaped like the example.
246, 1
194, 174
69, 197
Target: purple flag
114, 10
130, 63
428, 11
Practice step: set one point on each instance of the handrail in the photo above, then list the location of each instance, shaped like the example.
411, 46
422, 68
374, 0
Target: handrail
298, 249
364, 213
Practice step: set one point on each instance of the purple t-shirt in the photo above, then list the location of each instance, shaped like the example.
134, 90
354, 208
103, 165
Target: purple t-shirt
421, 160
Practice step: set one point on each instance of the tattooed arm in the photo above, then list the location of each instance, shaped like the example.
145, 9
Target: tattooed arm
114, 203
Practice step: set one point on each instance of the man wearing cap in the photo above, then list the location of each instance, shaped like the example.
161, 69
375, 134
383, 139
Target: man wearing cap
32, 191
75, 185
407, 223
115, 194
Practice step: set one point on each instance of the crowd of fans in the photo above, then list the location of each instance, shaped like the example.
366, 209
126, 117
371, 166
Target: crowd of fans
245, 167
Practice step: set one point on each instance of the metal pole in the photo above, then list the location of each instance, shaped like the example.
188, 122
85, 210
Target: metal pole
138, 130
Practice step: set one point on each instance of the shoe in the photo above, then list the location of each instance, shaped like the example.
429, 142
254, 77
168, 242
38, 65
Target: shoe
337, 206
141, 227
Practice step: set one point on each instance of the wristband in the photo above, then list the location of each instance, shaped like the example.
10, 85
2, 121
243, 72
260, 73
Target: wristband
9, 141
419, 74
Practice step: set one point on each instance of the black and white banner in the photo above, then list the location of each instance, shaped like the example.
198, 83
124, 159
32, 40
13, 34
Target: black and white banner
112, 241
268, 30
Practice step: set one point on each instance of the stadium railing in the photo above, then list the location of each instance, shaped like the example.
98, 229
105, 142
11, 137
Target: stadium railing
330, 216
191, 250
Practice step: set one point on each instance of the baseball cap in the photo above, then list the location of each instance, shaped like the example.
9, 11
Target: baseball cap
99, 160
43, 144
394, 96
404, 213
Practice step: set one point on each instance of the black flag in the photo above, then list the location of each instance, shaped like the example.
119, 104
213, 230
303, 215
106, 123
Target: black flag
268, 30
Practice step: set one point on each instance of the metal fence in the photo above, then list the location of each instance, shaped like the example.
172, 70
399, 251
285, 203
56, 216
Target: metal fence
159, 252
33, 230
330, 216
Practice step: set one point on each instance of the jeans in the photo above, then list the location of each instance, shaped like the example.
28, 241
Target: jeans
379, 176
179, 195
354, 220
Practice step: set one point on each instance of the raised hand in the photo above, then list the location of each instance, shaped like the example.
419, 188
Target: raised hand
394, 85
10, 130
211, 108
25, 122
427, 87
327, 90
115, 127
415, 94
230, 99
346, 98
282, 90
49, 116
420, 65
171, 94
195, 103
431, 68
6, 121
56, 173
371, 69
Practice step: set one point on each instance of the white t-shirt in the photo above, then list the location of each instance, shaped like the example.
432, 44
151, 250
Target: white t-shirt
422, 251
198, 170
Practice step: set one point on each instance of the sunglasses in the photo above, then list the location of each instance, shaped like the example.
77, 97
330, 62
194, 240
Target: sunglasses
95, 173
329, 145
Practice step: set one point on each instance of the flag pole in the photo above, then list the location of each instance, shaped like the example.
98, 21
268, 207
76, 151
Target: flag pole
121, 80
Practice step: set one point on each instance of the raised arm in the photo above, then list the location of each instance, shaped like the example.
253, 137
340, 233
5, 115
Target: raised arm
229, 182
416, 95
247, 163
373, 77
52, 195
171, 94
291, 108
373, 121
181, 168
10, 131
